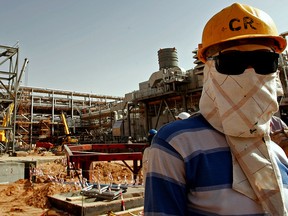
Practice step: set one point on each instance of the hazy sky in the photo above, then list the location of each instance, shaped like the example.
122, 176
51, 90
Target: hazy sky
108, 47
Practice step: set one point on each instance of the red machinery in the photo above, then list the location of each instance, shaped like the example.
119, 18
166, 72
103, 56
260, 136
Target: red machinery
81, 156
46, 145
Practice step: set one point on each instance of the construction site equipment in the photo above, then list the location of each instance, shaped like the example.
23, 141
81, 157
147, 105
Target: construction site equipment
104, 191
238, 22
6, 124
81, 156
56, 144
44, 145
69, 139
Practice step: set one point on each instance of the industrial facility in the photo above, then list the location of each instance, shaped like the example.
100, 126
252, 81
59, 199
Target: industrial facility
35, 115
84, 128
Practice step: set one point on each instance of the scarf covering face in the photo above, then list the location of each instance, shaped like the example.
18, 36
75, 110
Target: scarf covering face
241, 107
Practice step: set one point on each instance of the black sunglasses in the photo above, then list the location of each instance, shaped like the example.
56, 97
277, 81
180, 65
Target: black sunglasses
236, 62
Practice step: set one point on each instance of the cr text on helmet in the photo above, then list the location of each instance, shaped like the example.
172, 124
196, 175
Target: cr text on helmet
247, 21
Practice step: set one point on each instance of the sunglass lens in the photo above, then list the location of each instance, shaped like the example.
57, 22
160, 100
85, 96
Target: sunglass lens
266, 63
230, 64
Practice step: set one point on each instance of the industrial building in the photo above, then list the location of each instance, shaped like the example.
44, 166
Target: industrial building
31, 114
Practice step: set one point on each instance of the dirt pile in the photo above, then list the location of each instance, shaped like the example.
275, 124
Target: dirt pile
30, 197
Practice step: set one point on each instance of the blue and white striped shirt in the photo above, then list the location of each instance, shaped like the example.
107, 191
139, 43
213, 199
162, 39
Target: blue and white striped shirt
190, 173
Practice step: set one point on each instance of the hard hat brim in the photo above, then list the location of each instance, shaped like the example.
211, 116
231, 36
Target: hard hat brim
277, 43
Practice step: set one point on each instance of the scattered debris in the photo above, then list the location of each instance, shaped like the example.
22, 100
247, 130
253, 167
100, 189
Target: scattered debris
30, 196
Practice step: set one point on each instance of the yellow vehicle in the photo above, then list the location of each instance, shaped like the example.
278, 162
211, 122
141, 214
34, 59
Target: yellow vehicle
56, 144
6, 122
69, 139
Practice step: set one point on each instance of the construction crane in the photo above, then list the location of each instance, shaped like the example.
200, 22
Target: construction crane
69, 139
56, 145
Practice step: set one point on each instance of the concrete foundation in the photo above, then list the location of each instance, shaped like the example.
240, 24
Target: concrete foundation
15, 168
76, 204
11, 171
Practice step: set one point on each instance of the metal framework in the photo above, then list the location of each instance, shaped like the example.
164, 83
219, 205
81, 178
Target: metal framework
82, 156
38, 115
10, 79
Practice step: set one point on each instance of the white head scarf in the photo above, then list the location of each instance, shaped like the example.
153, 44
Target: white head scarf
241, 107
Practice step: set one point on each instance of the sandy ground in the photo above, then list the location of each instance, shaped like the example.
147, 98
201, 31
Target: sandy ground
25, 198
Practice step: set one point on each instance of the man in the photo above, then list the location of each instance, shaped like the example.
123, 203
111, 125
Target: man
182, 115
279, 133
145, 157
222, 161
151, 134
129, 140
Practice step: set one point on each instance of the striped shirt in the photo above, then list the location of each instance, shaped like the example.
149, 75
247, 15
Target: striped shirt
190, 173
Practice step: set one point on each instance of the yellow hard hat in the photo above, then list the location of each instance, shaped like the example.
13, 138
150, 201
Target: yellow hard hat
241, 23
